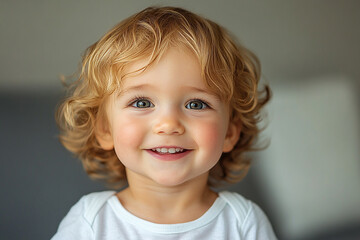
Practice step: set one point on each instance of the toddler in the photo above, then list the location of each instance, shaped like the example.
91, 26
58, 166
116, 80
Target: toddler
166, 104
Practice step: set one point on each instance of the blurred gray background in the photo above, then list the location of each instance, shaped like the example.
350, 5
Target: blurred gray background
308, 181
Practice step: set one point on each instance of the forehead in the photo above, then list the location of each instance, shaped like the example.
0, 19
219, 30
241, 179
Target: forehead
176, 66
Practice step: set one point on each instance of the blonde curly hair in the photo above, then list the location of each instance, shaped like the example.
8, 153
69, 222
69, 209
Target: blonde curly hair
229, 69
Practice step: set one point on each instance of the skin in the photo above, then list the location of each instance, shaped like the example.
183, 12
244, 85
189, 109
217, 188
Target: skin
167, 106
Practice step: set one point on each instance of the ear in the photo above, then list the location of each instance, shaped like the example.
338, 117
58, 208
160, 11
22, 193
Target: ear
103, 134
232, 136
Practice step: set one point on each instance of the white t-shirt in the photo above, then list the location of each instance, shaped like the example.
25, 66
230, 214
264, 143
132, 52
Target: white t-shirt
101, 216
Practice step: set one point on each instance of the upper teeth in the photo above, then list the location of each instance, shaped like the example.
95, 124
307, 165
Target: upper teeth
168, 150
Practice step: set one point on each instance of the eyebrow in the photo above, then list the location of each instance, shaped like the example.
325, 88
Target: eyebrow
210, 93
134, 88
145, 86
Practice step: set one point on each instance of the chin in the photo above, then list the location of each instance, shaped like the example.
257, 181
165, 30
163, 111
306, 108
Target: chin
170, 181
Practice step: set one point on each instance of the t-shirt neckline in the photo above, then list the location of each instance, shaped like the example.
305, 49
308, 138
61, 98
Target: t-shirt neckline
203, 220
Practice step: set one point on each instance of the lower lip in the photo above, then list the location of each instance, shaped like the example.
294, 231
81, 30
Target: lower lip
168, 156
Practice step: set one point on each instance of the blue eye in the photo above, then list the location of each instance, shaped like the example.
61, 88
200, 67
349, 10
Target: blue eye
196, 105
142, 103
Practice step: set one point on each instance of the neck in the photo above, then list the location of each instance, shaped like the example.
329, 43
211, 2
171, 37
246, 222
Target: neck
168, 204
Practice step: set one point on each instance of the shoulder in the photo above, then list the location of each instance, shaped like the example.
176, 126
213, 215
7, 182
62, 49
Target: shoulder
78, 221
252, 221
238, 204
93, 202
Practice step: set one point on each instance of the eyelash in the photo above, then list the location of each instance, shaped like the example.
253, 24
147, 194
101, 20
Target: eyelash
142, 98
207, 105
137, 99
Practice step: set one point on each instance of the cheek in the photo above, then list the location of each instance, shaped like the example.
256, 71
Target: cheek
211, 135
128, 133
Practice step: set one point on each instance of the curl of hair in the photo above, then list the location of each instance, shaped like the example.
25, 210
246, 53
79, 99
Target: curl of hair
229, 70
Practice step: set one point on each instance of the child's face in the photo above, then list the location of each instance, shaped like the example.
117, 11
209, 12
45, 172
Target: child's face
165, 125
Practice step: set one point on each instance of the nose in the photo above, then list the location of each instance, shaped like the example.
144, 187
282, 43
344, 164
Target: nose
169, 123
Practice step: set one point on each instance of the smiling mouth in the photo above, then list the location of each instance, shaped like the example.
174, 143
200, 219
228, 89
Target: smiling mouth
168, 150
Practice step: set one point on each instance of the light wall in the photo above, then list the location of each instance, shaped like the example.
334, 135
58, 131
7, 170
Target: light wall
294, 39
